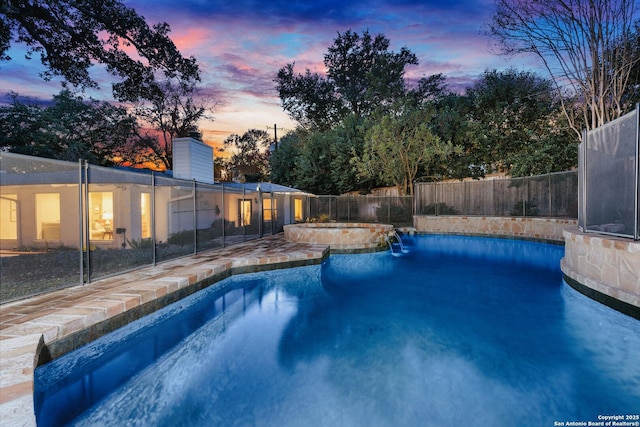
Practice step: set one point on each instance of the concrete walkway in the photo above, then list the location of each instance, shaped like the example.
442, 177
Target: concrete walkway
49, 325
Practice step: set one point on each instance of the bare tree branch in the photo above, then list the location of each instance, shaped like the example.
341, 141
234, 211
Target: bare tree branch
585, 45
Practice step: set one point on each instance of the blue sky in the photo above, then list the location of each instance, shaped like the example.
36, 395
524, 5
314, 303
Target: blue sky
241, 44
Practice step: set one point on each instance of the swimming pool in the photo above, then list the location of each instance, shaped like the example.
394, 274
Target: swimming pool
460, 331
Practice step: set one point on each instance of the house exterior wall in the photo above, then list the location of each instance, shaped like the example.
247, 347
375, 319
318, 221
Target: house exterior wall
126, 215
26, 221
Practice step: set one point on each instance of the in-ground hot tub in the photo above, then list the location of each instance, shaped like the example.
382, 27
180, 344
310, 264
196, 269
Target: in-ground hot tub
339, 235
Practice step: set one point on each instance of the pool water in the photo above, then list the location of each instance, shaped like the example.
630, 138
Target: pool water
459, 331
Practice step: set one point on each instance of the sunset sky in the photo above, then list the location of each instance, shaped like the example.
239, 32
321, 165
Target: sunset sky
241, 44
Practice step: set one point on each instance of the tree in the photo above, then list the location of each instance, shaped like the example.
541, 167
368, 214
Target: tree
321, 162
400, 146
632, 92
348, 142
583, 44
362, 77
173, 113
452, 123
222, 171
364, 80
283, 161
250, 159
309, 99
431, 88
313, 170
67, 129
515, 115
365, 73
71, 35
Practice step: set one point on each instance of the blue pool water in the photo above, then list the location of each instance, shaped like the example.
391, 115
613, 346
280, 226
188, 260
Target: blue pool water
460, 331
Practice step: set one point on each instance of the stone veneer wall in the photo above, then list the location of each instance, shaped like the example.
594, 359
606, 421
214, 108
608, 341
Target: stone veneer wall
605, 264
528, 227
340, 236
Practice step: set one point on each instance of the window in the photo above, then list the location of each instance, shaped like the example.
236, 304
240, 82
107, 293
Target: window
297, 209
101, 215
9, 216
48, 216
244, 212
145, 215
269, 209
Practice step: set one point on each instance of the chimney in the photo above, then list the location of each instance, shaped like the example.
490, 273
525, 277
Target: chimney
192, 159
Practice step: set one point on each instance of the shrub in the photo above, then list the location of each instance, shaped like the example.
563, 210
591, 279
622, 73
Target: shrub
181, 238
140, 244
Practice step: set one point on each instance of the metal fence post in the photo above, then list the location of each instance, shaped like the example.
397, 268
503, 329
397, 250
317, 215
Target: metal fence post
582, 183
86, 222
636, 233
244, 220
153, 216
224, 217
260, 213
550, 195
274, 214
195, 218
415, 198
80, 222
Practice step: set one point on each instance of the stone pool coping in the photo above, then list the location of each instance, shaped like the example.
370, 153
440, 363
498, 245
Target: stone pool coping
36, 329
605, 268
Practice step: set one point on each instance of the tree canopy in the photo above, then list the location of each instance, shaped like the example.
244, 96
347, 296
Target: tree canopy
363, 125
400, 146
72, 35
71, 128
250, 159
175, 112
67, 129
585, 45
507, 121
363, 75
517, 126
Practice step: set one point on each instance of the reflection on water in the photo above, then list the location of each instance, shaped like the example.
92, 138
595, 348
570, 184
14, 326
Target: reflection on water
85, 377
458, 332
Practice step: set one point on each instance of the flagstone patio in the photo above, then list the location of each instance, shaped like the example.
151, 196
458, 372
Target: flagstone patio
46, 326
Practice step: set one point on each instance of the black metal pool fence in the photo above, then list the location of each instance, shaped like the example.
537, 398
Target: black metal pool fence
552, 195
64, 223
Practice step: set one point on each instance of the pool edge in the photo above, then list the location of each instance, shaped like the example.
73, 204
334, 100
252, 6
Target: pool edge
602, 298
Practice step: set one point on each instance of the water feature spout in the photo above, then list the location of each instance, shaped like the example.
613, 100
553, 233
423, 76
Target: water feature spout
393, 235
402, 248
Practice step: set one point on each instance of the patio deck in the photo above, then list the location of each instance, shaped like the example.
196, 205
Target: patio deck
68, 318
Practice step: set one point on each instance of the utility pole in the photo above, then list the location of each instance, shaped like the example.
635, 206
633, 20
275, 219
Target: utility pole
275, 135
